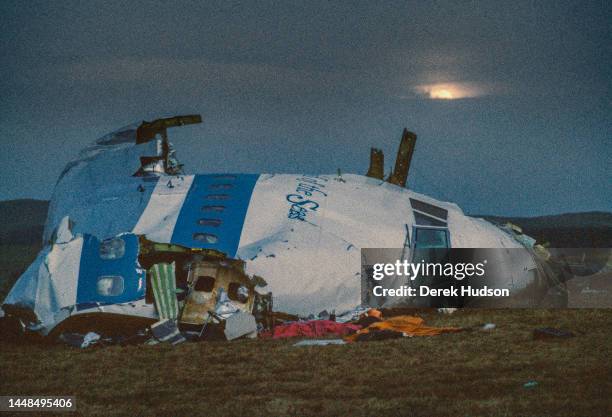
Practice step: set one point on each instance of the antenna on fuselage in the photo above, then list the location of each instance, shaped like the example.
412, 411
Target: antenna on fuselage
148, 131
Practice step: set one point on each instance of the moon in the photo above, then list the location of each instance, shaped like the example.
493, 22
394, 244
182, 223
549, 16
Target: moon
450, 91
441, 93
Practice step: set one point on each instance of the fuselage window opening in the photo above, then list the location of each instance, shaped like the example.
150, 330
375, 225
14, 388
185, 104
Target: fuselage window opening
112, 249
221, 186
238, 292
205, 238
110, 285
217, 197
214, 209
209, 222
224, 176
204, 283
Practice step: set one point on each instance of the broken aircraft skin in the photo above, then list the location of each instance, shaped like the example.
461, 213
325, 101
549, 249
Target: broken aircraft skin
301, 233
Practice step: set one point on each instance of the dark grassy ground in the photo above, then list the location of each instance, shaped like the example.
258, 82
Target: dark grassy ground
473, 373
21, 227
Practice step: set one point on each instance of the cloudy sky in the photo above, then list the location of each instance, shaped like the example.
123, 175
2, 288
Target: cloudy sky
511, 101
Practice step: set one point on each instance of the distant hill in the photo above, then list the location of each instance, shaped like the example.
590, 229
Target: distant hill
22, 221
570, 230
21, 229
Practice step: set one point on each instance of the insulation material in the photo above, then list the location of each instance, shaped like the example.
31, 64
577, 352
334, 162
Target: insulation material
163, 282
166, 331
239, 325
219, 287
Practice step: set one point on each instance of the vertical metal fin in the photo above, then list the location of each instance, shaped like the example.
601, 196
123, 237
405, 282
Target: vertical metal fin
377, 164
404, 156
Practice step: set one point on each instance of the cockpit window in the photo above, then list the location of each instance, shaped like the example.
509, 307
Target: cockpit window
430, 209
424, 220
430, 245
430, 238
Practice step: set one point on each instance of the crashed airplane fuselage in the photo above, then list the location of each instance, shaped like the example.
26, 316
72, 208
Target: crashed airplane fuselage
302, 233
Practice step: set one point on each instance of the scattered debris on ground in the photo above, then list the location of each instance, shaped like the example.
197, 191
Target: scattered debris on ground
551, 333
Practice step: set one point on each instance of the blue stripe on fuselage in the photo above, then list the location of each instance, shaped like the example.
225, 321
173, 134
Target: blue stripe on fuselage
229, 194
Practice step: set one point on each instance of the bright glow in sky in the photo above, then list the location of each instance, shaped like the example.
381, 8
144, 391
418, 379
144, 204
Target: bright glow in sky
450, 91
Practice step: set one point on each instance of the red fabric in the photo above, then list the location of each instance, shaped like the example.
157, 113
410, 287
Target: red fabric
312, 328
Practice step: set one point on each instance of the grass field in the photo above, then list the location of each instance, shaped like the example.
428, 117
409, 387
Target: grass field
473, 373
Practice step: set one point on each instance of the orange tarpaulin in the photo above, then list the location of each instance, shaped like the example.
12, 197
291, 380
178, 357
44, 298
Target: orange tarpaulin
410, 325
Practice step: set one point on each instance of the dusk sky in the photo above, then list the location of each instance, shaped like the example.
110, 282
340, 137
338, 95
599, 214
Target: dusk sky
511, 101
